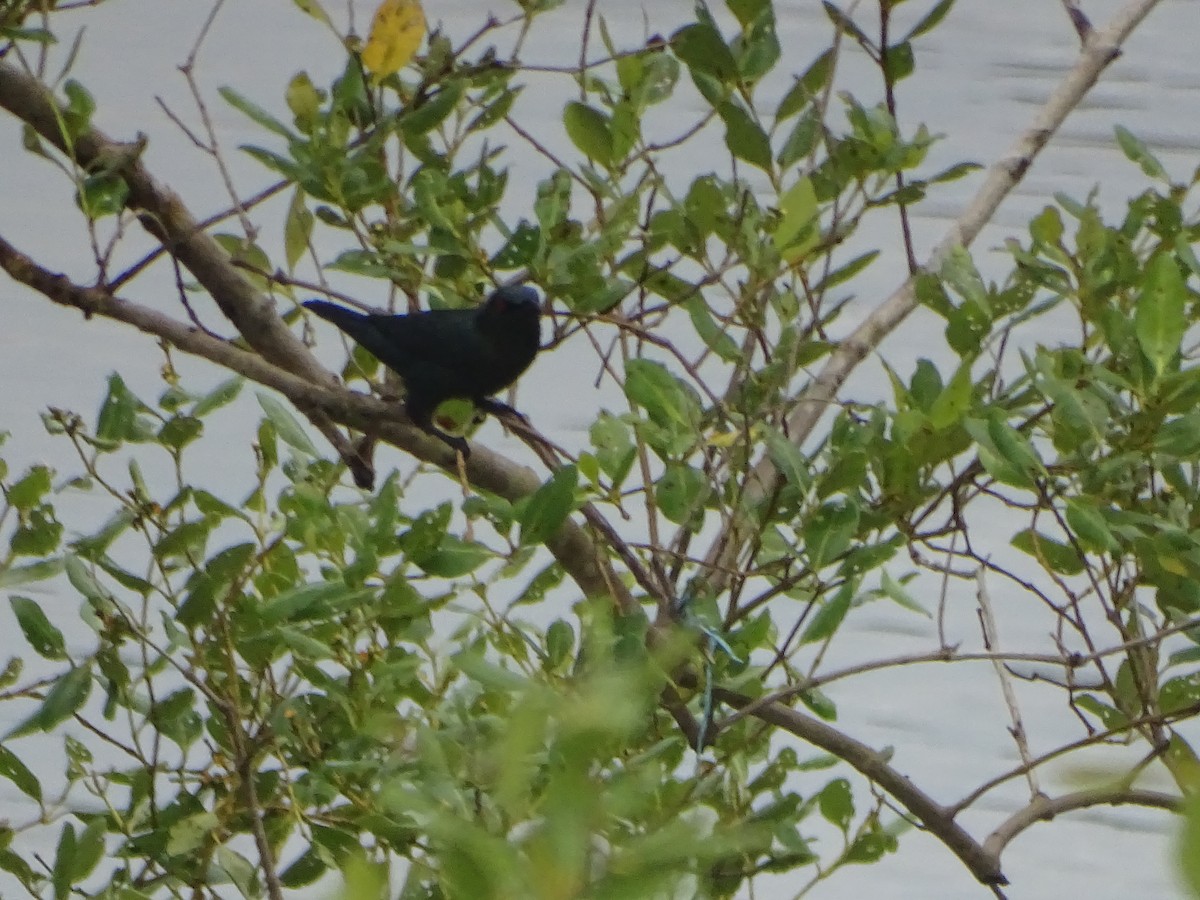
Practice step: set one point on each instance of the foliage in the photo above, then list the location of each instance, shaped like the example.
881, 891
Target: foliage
291, 677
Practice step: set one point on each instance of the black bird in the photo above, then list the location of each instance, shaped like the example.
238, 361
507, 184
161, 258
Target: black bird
450, 353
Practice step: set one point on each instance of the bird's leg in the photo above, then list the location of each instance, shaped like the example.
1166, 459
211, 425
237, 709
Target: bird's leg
496, 408
453, 441
421, 415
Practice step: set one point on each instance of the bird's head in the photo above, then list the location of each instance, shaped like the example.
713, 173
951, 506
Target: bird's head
509, 305
515, 298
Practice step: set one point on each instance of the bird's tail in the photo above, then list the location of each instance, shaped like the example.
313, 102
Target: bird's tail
358, 325
349, 320
362, 327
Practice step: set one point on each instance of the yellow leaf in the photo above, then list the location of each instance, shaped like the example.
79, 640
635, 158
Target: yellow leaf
723, 439
396, 33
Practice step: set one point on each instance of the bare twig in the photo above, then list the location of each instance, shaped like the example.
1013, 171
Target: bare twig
991, 642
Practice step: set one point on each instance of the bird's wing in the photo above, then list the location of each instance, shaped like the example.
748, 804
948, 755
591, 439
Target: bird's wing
438, 352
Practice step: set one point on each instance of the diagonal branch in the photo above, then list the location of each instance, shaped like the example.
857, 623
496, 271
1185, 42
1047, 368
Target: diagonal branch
982, 862
572, 545
164, 215
1101, 48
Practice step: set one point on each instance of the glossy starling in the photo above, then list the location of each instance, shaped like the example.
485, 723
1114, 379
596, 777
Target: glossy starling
450, 353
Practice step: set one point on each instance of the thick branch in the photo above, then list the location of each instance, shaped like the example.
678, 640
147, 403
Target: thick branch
939, 821
164, 215
571, 546
1043, 809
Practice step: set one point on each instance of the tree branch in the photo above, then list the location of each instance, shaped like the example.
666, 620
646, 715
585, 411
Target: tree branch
937, 819
1101, 48
1043, 809
488, 470
164, 215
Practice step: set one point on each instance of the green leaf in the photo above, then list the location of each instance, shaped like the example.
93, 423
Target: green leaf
896, 591
434, 111
297, 229
256, 112
64, 856
46, 640
179, 431
681, 492
102, 195
590, 130
899, 64
744, 137
313, 8
118, 420
319, 600
668, 401
953, 402
836, 802
542, 514
1090, 527
480, 670
614, 446
930, 19
242, 872
871, 846
829, 616
29, 491
306, 869
1188, 847
1005, 453
1159, 317
757, 47
12, 768
1138, 152
77, 115
38, 535
453, 558
89, 848
1054, 555
62, 701
304, 100
224, 393
703, 50
845, 24
959, 272
15, 576
560, 641
286, 425
787, 458
80, 577
523, 244
797, 231
828, 532
747, 10
714, 336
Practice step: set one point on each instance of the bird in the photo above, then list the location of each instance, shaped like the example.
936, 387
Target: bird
444, 354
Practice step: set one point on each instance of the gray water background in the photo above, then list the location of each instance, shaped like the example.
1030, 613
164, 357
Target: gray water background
979, 80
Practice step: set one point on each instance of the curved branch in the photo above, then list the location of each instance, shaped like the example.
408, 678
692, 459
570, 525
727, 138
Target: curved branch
571, 546
1101, 48
1043, 809
937, 819
163, 214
